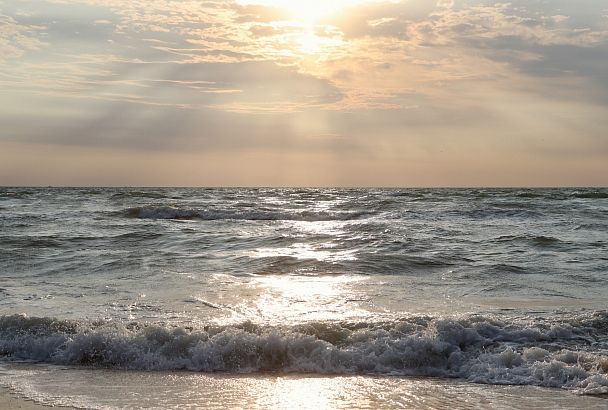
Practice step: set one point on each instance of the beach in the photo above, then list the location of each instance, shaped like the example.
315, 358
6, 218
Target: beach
10, 401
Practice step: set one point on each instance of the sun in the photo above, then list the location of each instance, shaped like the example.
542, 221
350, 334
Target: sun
306, 11
304, 27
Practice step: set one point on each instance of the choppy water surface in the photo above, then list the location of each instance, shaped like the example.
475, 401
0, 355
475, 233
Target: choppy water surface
499, 286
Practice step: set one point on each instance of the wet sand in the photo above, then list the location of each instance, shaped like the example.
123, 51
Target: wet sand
10, 401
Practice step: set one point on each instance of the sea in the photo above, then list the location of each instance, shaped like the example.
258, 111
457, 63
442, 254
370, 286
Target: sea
173, 298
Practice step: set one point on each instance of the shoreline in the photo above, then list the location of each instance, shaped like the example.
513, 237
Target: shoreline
285, 391
10, 400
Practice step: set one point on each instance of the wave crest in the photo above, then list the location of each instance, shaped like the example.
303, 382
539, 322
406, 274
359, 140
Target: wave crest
478, 349
170, 212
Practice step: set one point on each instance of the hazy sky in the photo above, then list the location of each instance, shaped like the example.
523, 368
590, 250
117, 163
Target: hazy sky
317, 92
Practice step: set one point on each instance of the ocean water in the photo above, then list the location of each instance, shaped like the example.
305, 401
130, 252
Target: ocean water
186, 297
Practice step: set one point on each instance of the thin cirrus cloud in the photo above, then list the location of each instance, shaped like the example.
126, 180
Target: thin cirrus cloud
404, 92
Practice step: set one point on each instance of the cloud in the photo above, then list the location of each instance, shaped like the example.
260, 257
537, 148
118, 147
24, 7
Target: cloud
16, 39
258, 13
447, 4
450, 42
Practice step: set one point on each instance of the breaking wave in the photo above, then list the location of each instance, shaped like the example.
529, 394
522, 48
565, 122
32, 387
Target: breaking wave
170, 212
138, 194
570, 354
591, 195
534, 240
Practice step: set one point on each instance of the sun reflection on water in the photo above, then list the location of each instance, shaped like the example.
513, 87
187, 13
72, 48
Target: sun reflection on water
304, 251
298, 298
309, 393
305, 228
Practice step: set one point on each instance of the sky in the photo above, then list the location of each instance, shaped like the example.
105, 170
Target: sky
304, 93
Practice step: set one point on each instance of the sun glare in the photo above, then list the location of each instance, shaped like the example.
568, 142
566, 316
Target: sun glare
306, 12
307, 33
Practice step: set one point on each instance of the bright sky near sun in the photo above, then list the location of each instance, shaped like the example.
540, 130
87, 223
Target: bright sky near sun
310, 11
277, 92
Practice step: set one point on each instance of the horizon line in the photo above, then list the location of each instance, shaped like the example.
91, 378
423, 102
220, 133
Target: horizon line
313, 186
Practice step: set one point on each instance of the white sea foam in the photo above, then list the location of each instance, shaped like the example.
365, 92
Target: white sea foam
477, 349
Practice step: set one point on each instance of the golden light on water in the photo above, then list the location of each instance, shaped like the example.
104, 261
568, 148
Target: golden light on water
303, 251
292, 298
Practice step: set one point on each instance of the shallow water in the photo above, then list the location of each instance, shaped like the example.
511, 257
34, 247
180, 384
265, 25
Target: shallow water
494, 286
109, 389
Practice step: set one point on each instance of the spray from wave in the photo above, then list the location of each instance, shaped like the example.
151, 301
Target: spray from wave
570, 354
